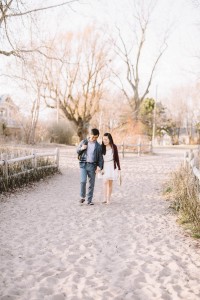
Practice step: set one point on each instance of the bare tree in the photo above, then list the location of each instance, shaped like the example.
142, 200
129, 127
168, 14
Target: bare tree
131, 56
37, 78
11, 10
184, 110
29, 78
76, 88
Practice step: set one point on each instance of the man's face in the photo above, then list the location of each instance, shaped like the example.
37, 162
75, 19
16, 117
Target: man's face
93, 138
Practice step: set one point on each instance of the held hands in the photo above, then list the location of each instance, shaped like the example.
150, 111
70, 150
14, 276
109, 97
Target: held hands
97, 170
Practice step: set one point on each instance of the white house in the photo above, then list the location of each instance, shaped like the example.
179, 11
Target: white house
9, 114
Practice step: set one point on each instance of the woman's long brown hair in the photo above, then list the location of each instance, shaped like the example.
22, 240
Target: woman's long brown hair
110, 140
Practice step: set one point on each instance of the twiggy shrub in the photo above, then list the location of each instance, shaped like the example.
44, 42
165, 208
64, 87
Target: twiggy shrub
183, 191
24, 179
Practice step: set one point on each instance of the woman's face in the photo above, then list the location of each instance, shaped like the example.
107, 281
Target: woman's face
106, 140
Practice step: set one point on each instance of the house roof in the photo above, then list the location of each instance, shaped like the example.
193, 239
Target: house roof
5, 98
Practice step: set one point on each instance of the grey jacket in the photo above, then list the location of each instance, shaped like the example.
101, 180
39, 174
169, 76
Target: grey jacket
98, 157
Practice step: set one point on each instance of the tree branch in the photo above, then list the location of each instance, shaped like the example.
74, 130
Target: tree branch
40, 9
152, 72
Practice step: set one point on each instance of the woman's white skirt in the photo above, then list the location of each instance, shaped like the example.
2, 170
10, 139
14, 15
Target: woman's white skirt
108, 172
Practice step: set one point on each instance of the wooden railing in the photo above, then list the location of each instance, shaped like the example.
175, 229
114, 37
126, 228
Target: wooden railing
138, 148
5, 162
191, 159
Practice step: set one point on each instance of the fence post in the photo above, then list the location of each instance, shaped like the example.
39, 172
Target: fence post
123, 149
191, 158
150, 147
191, 155
34, 160
139, 148
185, 159
57, 157
5, 166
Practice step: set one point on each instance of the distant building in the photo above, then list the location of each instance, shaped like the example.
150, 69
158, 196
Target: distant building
9, 115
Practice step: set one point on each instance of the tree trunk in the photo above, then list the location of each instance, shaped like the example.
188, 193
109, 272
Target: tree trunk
34, 121
82, 129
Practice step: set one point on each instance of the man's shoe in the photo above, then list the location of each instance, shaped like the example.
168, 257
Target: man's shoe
90, 203
82, 200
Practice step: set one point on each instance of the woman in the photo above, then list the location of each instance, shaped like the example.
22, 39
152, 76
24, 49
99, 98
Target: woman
111, 167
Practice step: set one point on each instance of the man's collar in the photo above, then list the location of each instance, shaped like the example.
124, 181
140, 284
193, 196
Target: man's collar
91, 141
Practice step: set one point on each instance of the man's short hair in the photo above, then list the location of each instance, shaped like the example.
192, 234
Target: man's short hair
95, 131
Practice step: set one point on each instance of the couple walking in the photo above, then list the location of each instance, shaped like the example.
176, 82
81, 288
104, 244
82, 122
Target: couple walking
101, 160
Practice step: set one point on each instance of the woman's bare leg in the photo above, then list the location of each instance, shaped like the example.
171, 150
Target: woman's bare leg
109, 191
105, 190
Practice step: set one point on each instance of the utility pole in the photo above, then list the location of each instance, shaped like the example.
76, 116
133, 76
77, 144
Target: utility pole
57, 108
154, 118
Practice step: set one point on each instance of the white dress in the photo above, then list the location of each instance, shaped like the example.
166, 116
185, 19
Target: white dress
109, 173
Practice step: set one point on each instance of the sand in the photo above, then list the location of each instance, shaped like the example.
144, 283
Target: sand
54, 248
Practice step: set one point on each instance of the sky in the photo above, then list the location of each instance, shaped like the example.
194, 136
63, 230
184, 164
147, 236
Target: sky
178, 66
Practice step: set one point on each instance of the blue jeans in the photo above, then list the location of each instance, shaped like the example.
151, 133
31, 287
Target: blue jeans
87, 170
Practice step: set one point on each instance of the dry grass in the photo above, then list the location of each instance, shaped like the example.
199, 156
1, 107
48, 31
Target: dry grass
183, 191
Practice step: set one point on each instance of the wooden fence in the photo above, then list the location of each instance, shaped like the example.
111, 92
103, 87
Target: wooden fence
192, 159
138, 148
5, 162
189, 191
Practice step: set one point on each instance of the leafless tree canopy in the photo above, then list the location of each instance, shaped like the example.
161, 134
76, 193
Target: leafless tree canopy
76, 87
12, 10
132, 58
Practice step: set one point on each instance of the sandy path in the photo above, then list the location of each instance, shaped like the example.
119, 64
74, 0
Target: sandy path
53, 248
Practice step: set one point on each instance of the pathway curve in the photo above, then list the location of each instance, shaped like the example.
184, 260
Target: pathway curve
54, 248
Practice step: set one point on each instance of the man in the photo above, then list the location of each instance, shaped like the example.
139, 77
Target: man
91, 162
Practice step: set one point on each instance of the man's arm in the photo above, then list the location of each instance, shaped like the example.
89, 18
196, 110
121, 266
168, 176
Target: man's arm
100, 158
81, 147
